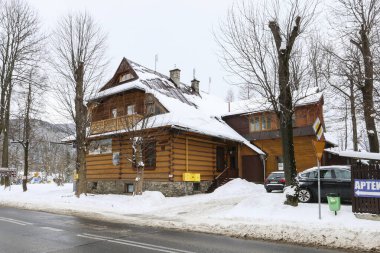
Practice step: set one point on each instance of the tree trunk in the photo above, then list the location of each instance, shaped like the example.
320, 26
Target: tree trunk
26, 167
353, 118
26, 134
80, 124
345, 125
286, 127
369, 118
140, 168
5, 152
367, 91
286, 105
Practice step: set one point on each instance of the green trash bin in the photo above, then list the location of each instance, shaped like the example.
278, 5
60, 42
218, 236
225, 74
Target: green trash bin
334, 202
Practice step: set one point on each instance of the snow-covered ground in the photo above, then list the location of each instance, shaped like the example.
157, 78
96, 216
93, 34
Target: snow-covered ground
238, 208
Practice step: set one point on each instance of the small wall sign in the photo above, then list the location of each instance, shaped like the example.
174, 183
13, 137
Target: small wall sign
116, 158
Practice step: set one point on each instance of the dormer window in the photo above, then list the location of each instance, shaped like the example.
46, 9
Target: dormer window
125, 77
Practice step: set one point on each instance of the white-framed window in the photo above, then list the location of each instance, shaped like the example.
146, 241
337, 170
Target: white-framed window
280, 163
265, 122
131, 109
114, 113
125, 77
255, 124
97, 147
129, 188
259, 123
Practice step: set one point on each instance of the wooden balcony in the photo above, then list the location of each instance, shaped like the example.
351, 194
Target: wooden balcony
114, 124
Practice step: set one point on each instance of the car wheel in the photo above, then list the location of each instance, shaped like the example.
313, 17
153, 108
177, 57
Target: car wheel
268, 190
304, 196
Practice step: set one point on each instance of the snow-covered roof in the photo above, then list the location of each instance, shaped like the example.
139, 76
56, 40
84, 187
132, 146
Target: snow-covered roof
187, 110
331, 138
255, 105
355, 154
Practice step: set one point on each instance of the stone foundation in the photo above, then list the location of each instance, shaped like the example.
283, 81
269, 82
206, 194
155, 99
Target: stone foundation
169, 189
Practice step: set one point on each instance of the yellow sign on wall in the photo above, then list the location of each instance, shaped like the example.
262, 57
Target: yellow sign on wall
191, 177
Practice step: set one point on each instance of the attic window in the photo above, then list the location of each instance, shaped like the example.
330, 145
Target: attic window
125, 77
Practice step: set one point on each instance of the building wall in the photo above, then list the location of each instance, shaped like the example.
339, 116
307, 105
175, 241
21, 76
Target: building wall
173, 159
102, 110
304, 152
101, 167
201, 156
304, 116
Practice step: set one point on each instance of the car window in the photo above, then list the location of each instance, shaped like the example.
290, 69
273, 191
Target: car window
313, 174
343, 174
305, 174
276, 175
326, 174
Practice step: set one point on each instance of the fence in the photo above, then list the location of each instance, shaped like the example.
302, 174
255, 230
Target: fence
363, 171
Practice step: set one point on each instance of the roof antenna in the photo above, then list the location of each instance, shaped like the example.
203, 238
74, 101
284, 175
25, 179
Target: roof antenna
193, 73
155, 62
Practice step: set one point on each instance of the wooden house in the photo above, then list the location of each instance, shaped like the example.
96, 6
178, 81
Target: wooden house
259, 125
188, 149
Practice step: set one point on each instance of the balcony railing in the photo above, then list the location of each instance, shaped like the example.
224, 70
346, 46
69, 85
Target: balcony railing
114, 124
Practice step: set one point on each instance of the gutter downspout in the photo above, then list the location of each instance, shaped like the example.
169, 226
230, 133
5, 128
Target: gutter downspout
263, 159
187, 155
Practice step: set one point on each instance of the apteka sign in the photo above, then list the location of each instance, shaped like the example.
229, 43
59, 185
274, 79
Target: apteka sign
367, 188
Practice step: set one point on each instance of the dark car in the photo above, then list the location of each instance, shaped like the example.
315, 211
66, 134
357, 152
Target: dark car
275, 181
334, 179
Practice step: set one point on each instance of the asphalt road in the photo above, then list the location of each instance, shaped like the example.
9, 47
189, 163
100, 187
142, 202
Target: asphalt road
29, 231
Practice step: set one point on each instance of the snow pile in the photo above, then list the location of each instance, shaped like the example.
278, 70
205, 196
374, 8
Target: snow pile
51, 197
237, 187
238, 208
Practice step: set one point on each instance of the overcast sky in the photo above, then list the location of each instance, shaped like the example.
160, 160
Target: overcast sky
180, 32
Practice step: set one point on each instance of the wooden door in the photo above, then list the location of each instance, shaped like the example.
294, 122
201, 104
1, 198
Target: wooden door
253, 169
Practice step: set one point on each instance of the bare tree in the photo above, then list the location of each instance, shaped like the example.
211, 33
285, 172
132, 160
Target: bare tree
269, 60
78, 58
358, 21
30, 95
245, 92
20, 40
230, 97
345, 76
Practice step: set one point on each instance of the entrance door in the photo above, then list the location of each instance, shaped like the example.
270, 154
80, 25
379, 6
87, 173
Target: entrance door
253, 169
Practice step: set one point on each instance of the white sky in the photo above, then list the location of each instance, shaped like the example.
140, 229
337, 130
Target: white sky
180, 32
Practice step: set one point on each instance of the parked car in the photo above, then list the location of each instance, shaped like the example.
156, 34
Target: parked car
275, 181
334, 179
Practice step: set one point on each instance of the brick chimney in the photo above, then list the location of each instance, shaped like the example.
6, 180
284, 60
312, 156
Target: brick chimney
195, 86
175, 76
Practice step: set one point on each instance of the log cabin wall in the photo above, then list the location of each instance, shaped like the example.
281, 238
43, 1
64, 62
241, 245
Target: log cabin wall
101, 166
304, 153
200, 156
177, 152
269, 139
102, 110
304, 116
194, 155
